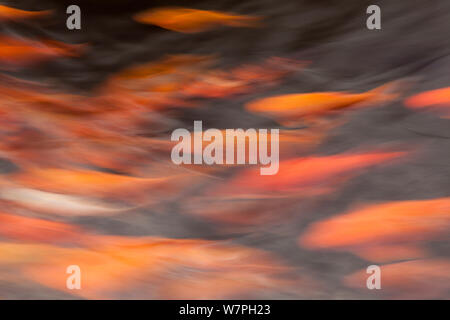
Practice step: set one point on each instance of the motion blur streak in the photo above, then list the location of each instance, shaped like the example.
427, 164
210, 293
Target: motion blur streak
391, 225
8, 13
297, 175
20, 52
120, 264
436, 99
293, 106
192, 20
36, 230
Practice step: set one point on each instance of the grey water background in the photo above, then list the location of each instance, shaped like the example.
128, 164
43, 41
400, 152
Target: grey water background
414, 44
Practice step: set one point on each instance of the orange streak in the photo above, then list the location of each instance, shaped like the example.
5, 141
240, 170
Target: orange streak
302, 173
117, 264
7, 13
16, 51
397, 226
436, 100
193, 20
84, 182
293, 106
439, 97
36, 230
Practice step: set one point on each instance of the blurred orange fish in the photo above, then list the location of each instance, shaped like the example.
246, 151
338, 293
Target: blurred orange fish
84, 182
192, 20
382, 232
437, 99
218, 83
21, 52
167, 65
243, 79
291, 107
36, 230
58, 204
250, 199
113, 265
7, 13
173, 80
47, 103
302, 175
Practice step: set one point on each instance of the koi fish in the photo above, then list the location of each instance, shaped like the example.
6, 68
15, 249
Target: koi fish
192, 20
83, 182
117, 264
290, 108
304, 174
29, 229
168, 65
438, 100
20, 52
58, 204
382, 232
